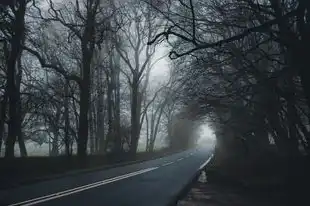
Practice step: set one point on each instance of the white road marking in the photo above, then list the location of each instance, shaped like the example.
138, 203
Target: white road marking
79, 189
180, 159
166, 164
205, 163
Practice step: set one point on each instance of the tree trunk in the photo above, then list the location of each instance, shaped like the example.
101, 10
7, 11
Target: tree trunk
17, 40
84, 107
161, 109
147, 132
100, 133
3, 106
91, 130
66, 116
55, 151
19, 120
135, 118
117, 99
83, 117
110, 109
87, 47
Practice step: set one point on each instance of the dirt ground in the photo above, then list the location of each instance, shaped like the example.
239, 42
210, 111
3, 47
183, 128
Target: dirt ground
203, 193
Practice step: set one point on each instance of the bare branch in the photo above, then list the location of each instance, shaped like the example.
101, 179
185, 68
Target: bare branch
43, 63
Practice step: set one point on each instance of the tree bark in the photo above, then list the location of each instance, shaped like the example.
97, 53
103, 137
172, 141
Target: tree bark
100, 133
84, 106
135, 117
67, 121
87, 45
83, 117
19, 120
18, 27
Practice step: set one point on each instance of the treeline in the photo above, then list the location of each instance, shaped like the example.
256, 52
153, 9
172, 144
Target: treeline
75, 75
245, 65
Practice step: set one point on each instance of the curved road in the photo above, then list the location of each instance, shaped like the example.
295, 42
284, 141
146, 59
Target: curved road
150, 183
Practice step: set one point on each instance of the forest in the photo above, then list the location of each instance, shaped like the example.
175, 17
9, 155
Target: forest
244, 64
76, 75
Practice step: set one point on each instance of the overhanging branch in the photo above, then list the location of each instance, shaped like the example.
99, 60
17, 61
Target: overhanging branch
219, 43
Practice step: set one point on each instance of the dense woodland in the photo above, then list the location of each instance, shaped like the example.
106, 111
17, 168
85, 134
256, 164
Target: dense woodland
245, 64
78, 72
75, 75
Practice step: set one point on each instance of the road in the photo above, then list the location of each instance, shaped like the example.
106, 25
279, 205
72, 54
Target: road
150, 183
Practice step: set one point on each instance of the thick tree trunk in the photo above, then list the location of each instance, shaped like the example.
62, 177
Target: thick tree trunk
20, 137
135, 118
17, 40
84, 107
83, 117
87, 48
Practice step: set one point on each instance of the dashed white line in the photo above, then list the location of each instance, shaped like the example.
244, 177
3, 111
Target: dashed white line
166, 164
79, 189
180, 159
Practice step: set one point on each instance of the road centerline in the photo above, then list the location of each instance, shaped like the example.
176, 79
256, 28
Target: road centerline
168, 163
57, 195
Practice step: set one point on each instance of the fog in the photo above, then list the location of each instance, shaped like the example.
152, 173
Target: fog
206, 136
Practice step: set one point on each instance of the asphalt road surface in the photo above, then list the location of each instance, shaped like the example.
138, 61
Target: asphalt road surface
150, 183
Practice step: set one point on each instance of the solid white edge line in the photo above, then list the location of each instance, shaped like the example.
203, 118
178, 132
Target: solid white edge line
80, 189
166, 164
205, 163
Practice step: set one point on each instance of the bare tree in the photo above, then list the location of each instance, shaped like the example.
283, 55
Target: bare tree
87, 26
137, 55
247, 56
14, 33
